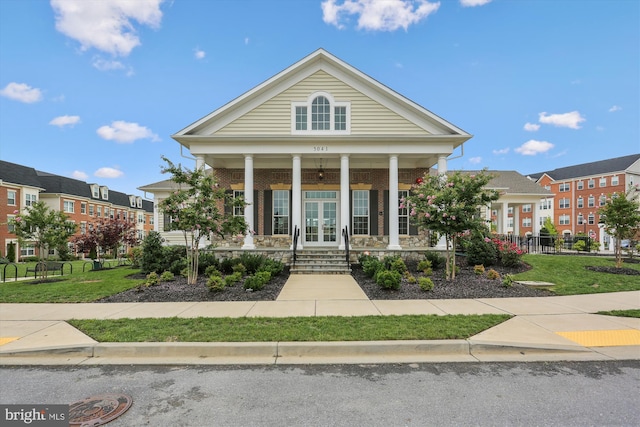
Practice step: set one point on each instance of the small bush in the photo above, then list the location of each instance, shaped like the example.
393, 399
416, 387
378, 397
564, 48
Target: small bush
205, 260
437, 260
184, 272
371, 267
425, 283
135, 256
507, 281
257, 281
226, 265
239, 268
167, 276
215, 284
252, 262
493, 274
410, 277
478, 269
425, 267
152, 279
481, 250
272, 266
394, 263
232, 279
212, 271
580, 245
388, 279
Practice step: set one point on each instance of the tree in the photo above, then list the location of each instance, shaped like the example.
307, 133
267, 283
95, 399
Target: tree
197, 209
44, 227
621, 218
449, 205
108, 234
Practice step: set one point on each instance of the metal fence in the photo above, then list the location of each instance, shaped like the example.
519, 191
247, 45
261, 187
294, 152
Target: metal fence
551, 244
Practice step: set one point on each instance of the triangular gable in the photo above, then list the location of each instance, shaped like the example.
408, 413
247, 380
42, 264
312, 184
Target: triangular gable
322, 61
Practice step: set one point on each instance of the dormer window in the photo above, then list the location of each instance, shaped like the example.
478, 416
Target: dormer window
320, 114
132, 201
95, 191
104, 191
139, 202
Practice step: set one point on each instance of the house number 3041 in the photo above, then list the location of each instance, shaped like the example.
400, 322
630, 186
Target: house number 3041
320, 148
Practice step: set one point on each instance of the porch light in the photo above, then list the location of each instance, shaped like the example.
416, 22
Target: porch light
320, 174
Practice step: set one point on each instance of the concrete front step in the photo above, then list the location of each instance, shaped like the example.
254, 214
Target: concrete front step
321, 261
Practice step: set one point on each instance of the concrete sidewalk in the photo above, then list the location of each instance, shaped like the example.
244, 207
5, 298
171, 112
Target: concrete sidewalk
546, 328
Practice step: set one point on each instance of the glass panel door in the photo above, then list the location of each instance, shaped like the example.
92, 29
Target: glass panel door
311, 214
329, 215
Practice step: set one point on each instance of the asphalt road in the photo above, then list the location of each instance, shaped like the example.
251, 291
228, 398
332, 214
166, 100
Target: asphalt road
463, 394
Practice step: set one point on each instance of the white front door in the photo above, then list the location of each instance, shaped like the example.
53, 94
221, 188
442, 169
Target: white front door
321, 220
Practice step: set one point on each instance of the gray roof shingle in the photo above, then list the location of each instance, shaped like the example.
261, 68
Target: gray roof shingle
617, 164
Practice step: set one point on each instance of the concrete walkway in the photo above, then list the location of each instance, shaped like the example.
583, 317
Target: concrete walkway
549, 328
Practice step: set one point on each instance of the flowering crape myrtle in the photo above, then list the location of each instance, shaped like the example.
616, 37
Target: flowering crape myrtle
196, 208
450, 206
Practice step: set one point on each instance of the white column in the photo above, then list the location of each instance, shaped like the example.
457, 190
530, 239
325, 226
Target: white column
344, 198
248, 197
504, 212
296, 198
516, 220
199, 161
442, 165
535, 227
394, 237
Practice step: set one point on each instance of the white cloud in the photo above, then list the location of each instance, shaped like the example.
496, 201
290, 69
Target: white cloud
21, 92
501, 151
378, 15
568, 120
615, 108
246, 40
107, 64
475, 160
108, 173
62, 121
106, 25
531, 127
473, 3
533, 147
200, 54
125, 132
80, 175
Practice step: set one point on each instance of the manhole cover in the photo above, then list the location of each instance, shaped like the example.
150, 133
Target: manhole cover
98, 410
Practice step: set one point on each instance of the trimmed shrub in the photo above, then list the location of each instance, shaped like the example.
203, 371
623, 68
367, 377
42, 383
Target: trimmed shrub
425, 283
215, 284
437, 261
394, 263
388, 279
152, 279
252, 262
507, 281
410, 277
425, 267
478, 269
206, 259
212, 271
493, 274
152, 253
257, 281
167, 276
580, 245
11, 252
371, 266
481, 250
239, 268
232, 279
272, 266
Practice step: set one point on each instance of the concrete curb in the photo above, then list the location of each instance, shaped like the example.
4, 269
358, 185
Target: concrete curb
295, 352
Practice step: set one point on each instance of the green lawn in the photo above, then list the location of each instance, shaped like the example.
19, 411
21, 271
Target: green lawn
261, 329
572, 278
621, 313
77, 287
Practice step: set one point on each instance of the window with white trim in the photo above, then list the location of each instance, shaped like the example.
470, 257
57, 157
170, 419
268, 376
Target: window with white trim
68, 206
99, 211
95, 191
11, 198
591, 183
280, 212
580, 202
30, 199
580, 219
565, 203
580, 185
91, 210
83, 208
603, 182
591, 219
564, 187
403, 213
360, 212
11, 227
526, 208
27, 250
603, 200
591, 201
565, 219
615, 180
320, 114
104, 191
526, 222
238, 210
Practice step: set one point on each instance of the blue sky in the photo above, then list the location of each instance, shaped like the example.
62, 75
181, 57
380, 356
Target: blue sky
95, 89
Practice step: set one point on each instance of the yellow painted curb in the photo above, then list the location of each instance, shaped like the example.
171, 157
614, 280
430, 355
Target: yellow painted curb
7, 340
606, 338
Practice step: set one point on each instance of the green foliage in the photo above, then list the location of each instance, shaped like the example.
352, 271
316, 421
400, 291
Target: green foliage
410, 278
239, 268
135, 256
273, 266
425, 266
621, 218
152, 279
167, 276
388, 279
205, 260
425, 283
232, 279
252, 262
437, 260
493, 274
481, 251
212, 271
195, 210
257, 281
226, 265
580, 245
371, 266
394, 263
550, 227
152, 253
216, 284
507, 280
478, 269
11, 252
448, 204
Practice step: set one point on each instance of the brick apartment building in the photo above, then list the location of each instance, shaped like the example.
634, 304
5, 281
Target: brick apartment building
580, 190
83, 203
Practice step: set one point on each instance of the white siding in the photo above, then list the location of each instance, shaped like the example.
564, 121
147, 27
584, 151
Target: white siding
367, 116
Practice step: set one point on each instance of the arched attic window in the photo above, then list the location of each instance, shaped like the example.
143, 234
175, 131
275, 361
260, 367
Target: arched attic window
320, 114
